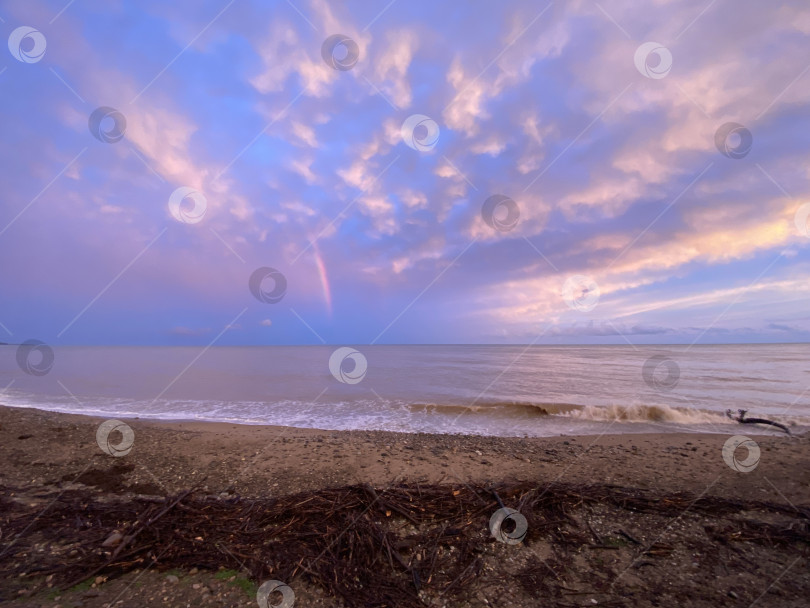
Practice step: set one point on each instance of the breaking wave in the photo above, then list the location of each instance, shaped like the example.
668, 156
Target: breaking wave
596, 413
648, 413
497, 408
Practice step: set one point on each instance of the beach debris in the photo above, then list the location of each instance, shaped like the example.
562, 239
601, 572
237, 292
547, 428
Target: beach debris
597, 538
629, 537
340, 540
741, 418
498, 498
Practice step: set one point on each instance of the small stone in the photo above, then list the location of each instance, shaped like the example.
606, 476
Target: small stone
171, 578
113, 539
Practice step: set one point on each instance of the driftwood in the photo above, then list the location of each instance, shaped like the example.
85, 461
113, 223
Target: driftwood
743, 420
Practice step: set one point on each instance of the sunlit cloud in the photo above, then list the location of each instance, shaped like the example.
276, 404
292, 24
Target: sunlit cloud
303, 167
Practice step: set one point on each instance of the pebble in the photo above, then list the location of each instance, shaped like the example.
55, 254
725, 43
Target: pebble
113, 539
171, 578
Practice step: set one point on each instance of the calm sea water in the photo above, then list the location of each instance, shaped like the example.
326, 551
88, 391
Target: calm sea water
492, 390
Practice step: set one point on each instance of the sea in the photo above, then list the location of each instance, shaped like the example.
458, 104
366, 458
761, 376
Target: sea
468, 389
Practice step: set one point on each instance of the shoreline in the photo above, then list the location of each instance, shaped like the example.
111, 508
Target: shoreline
612, 426
311, 458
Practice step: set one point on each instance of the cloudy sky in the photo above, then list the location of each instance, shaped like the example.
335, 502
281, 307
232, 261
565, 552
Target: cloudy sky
248, 180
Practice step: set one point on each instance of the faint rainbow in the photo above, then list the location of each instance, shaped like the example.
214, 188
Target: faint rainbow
327, 291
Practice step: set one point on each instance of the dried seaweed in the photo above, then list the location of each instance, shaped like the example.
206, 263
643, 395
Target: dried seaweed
366, 546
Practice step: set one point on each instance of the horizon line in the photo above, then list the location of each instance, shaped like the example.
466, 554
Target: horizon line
528, 344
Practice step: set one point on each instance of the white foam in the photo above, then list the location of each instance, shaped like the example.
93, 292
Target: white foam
648, 413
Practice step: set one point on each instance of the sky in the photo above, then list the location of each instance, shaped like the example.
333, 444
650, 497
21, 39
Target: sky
306, 172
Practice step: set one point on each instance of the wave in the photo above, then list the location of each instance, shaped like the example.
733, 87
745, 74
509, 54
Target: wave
658, 413
498, 408
648, 413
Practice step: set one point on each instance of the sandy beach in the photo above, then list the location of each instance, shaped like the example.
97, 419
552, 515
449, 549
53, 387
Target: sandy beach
47, 456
